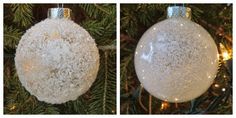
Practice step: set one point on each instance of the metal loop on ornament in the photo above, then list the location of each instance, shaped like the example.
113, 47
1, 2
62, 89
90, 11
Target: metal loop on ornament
58, 13
179, 11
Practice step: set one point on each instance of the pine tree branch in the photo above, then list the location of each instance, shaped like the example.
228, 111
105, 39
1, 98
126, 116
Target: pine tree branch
219, 30
23, 14
97, 11
11, 37
107, 47
140, 99
105, 85
94, 27
150, 104
100, 8
103, 90
124, 69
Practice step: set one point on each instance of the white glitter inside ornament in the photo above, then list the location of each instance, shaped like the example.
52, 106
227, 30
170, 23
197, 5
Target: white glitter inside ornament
57, 60
176, 60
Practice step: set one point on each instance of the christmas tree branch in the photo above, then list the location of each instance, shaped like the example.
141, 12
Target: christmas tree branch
103, 89
100, 8
150, 104
11, 36
107, 47
140, 99
219, 30
105, 84
23, 14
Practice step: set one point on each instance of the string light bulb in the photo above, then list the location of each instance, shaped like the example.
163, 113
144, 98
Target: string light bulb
13, 107
225, 54
164, 105
217, 85
223, 89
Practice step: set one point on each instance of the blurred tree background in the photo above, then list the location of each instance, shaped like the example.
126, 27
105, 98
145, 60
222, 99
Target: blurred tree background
135, 20
100, 21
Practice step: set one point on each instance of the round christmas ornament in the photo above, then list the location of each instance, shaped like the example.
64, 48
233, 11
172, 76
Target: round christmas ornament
176, 60
56, 59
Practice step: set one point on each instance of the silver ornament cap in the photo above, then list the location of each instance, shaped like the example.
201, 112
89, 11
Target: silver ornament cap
179, 11
58, 13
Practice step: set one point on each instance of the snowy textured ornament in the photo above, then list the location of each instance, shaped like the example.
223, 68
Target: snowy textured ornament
57, 60
176, 60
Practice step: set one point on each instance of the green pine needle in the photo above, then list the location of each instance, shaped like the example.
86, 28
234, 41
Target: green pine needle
23, 14
11, 37
103, 99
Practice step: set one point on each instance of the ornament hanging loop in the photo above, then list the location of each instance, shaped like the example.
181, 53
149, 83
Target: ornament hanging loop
179, 11
58, 5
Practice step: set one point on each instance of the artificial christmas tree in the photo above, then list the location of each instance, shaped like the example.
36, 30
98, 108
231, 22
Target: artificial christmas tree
98, 20
135, 20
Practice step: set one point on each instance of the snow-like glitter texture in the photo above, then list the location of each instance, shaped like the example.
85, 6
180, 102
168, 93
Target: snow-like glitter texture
57, 60
176, 60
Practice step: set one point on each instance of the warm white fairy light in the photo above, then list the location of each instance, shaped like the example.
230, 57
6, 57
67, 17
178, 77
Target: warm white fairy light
217, 85
13, 107
223, 89
164, 105
226, 54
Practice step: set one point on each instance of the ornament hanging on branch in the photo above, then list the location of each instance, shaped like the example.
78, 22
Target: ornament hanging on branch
56, 59
176, 60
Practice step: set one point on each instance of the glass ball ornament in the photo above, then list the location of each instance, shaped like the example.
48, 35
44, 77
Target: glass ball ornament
56, 59
176, 60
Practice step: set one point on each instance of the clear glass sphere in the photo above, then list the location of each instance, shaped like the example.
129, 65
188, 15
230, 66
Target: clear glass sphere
176, 60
